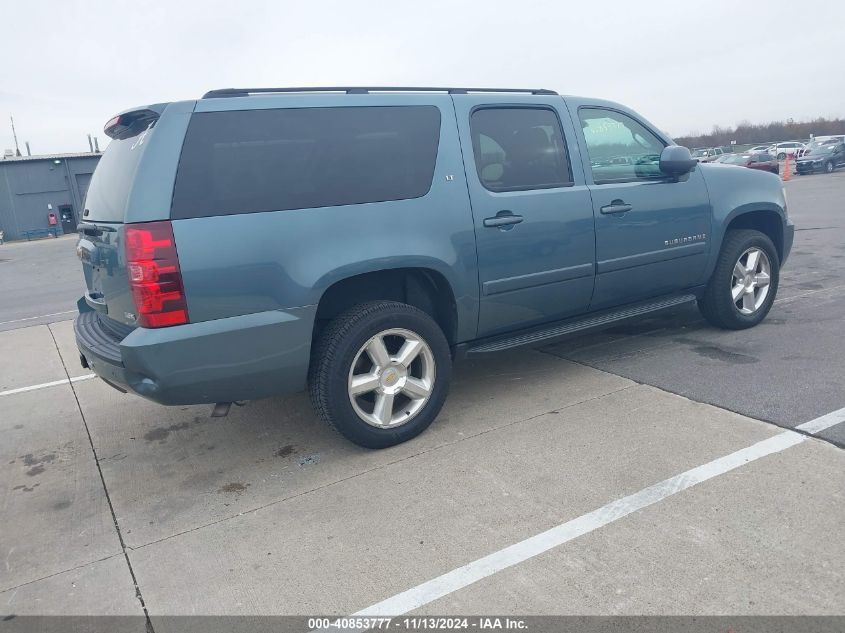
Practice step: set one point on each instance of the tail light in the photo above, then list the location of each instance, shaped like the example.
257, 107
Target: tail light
154, 275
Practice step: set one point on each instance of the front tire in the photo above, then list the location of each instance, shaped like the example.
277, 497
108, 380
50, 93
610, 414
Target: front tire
829, 166
380, 373
743, 287
781, 156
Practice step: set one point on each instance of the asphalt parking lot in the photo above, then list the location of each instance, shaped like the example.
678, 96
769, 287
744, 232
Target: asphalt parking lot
650, 469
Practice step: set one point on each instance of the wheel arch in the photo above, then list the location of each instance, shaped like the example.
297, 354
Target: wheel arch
423, 287
767, 221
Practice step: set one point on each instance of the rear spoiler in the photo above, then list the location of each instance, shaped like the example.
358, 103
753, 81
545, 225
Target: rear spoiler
128, 124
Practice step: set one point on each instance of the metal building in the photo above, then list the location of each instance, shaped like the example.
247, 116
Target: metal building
34, 187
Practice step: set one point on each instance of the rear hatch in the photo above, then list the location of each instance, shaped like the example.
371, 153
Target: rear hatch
101, 232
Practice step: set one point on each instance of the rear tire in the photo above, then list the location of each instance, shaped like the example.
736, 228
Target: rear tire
741, 291
781, 156
829, 166
380, 373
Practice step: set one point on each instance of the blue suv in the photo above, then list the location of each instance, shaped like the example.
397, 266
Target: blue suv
356, 241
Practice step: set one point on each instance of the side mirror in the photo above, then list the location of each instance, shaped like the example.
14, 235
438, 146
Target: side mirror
676, 160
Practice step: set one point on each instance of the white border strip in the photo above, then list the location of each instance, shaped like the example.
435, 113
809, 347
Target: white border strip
461, 577
44, 385
40, 316
823, 422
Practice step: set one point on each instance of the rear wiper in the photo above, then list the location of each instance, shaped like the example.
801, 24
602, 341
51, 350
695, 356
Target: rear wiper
93, 230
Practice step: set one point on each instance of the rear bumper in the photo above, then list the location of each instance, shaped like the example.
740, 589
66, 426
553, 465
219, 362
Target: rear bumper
238, 358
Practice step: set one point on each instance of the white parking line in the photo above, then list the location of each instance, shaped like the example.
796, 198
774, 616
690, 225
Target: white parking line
470, 573
824, 422
44, 385
519, 552
40, 316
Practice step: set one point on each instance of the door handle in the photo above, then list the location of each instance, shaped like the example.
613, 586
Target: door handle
616, 206
503, 218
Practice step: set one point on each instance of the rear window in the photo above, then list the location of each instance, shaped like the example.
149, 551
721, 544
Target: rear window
111, 183
271, 160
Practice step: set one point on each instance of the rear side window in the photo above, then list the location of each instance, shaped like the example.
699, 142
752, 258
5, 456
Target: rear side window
519, 148
271, 160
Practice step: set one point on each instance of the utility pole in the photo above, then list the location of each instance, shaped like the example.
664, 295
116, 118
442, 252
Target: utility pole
15, 136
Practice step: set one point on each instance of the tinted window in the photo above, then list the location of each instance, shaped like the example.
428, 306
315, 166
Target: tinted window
519, 148
620, 147
108, 192
268, 160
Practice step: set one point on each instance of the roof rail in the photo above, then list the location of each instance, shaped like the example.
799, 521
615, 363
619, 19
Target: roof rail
245, 92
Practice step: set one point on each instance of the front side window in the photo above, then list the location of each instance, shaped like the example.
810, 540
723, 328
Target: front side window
519, 148
621, 149
248, 161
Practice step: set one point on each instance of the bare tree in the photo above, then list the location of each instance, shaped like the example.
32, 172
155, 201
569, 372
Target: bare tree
746, 132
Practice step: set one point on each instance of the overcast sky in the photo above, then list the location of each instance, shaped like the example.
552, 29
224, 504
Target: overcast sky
68, 66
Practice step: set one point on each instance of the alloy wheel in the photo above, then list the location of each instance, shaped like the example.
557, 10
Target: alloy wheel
391, 378
750, 281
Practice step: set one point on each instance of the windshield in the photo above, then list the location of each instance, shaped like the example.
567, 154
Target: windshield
699, 152
823, 147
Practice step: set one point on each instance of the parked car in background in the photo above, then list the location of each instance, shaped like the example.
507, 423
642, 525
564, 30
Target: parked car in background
782, 150
763, 161
834, 138
757, 149
701, 155
822, 156
707, 155
493, 219
806, 143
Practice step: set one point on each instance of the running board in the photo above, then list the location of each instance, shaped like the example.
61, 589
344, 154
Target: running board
547, 333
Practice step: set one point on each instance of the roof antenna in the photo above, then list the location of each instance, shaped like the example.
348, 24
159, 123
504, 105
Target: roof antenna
15, 135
